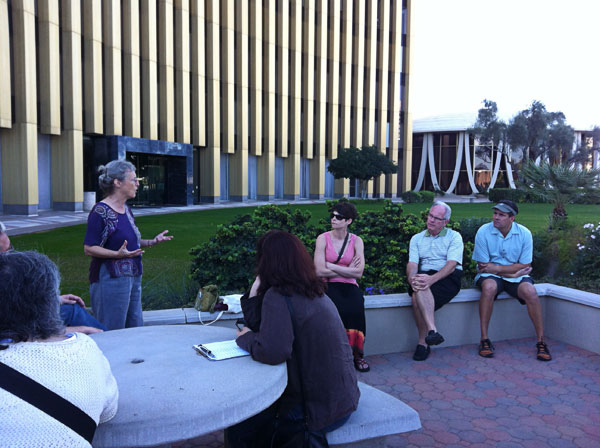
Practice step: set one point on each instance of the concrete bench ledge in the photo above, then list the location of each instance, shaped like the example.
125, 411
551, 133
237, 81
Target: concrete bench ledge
378, 415
472, 295
190, 315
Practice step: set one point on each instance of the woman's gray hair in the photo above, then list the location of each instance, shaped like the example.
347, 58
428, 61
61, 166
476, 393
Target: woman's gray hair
116, 169
29, 298
448, 212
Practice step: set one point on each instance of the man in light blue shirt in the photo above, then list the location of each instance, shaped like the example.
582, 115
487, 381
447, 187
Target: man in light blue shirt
434, 271
504, 251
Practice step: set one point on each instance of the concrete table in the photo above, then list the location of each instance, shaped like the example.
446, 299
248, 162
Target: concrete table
169, 393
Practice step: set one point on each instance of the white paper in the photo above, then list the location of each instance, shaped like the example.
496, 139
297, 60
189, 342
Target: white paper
217, 351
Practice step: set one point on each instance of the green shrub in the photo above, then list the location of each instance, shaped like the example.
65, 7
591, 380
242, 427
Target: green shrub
426, 196
568, 256
228, 258
469, 227
555, 250
590, 198
587, 260
497, 194
411, 197
469, 265
523, 196
386, 236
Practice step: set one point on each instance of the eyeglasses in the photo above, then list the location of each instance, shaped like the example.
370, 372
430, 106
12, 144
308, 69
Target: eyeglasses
338, 216
429, 215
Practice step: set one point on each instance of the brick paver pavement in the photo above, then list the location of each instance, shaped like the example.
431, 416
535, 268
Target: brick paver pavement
511, 400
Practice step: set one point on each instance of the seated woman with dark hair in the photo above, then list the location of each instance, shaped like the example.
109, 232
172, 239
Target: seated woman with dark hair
340, 260
33, 342
317, 352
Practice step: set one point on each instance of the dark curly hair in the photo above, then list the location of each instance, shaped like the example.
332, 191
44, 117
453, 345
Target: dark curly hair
346, 209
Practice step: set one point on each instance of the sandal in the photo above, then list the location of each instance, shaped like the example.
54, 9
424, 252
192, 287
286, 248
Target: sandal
486, 349
361, 365
543, 354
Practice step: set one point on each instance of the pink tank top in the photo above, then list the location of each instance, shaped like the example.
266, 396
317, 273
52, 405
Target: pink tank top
331, 256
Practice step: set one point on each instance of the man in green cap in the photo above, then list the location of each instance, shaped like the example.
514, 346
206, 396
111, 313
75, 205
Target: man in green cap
504, 252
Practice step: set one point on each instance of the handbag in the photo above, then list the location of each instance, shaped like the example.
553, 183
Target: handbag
207, 298
295, 433
47, 401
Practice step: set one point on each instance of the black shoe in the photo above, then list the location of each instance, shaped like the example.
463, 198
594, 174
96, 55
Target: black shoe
421, 353
543, 354
434, 338
486, 349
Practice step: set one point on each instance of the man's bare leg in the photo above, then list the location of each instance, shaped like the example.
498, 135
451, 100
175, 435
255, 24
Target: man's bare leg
489, 290
421, 326
426, 305
528, 293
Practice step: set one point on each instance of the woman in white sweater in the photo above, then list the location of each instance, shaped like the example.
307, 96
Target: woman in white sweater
33, 342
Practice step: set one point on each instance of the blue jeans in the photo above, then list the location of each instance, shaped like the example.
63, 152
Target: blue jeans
74, 316
117, 302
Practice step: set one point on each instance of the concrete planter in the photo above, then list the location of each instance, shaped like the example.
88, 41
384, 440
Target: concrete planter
570, 316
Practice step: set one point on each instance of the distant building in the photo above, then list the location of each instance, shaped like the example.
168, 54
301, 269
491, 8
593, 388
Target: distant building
445, 156
212, 100
584, 137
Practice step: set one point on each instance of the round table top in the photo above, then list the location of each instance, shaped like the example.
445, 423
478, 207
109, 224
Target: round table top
169, 393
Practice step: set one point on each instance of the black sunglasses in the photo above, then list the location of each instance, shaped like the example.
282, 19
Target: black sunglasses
338, 216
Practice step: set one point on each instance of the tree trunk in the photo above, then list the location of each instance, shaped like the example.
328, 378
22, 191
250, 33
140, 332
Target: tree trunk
363, 189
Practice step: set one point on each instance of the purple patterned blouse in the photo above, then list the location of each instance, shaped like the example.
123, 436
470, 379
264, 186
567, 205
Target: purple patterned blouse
108, 229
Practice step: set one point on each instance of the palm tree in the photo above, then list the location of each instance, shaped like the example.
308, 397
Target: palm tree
560, 184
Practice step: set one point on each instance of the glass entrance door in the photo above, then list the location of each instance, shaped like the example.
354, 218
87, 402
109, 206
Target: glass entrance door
151, 172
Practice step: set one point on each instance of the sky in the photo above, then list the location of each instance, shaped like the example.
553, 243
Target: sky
508, 51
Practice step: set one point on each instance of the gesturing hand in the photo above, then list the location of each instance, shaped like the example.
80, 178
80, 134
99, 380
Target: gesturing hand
162, 237
124, 253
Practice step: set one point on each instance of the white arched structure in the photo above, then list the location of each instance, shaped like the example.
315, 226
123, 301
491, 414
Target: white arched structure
459, 125
423, 162
507, 162
427, 155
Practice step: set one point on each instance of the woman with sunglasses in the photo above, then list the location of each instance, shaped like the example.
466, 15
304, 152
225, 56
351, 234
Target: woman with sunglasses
340, 260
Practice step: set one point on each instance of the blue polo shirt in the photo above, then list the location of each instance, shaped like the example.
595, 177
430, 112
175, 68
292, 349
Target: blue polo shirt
432, 252
492, 246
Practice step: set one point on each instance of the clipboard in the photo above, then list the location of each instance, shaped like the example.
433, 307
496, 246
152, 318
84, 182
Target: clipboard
218, 351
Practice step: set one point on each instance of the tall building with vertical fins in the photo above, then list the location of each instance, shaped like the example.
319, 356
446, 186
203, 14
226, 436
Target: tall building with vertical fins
211, 100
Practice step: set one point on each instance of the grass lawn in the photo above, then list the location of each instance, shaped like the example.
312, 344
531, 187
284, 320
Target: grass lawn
167, 265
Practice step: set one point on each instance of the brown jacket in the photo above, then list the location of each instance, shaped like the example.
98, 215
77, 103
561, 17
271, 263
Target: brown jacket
330, 383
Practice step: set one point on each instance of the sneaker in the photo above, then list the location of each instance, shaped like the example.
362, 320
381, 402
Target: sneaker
434, 338
486, 349
421, 353
543, 354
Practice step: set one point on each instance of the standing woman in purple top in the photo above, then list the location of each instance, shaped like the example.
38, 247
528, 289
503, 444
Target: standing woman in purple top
114, 242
